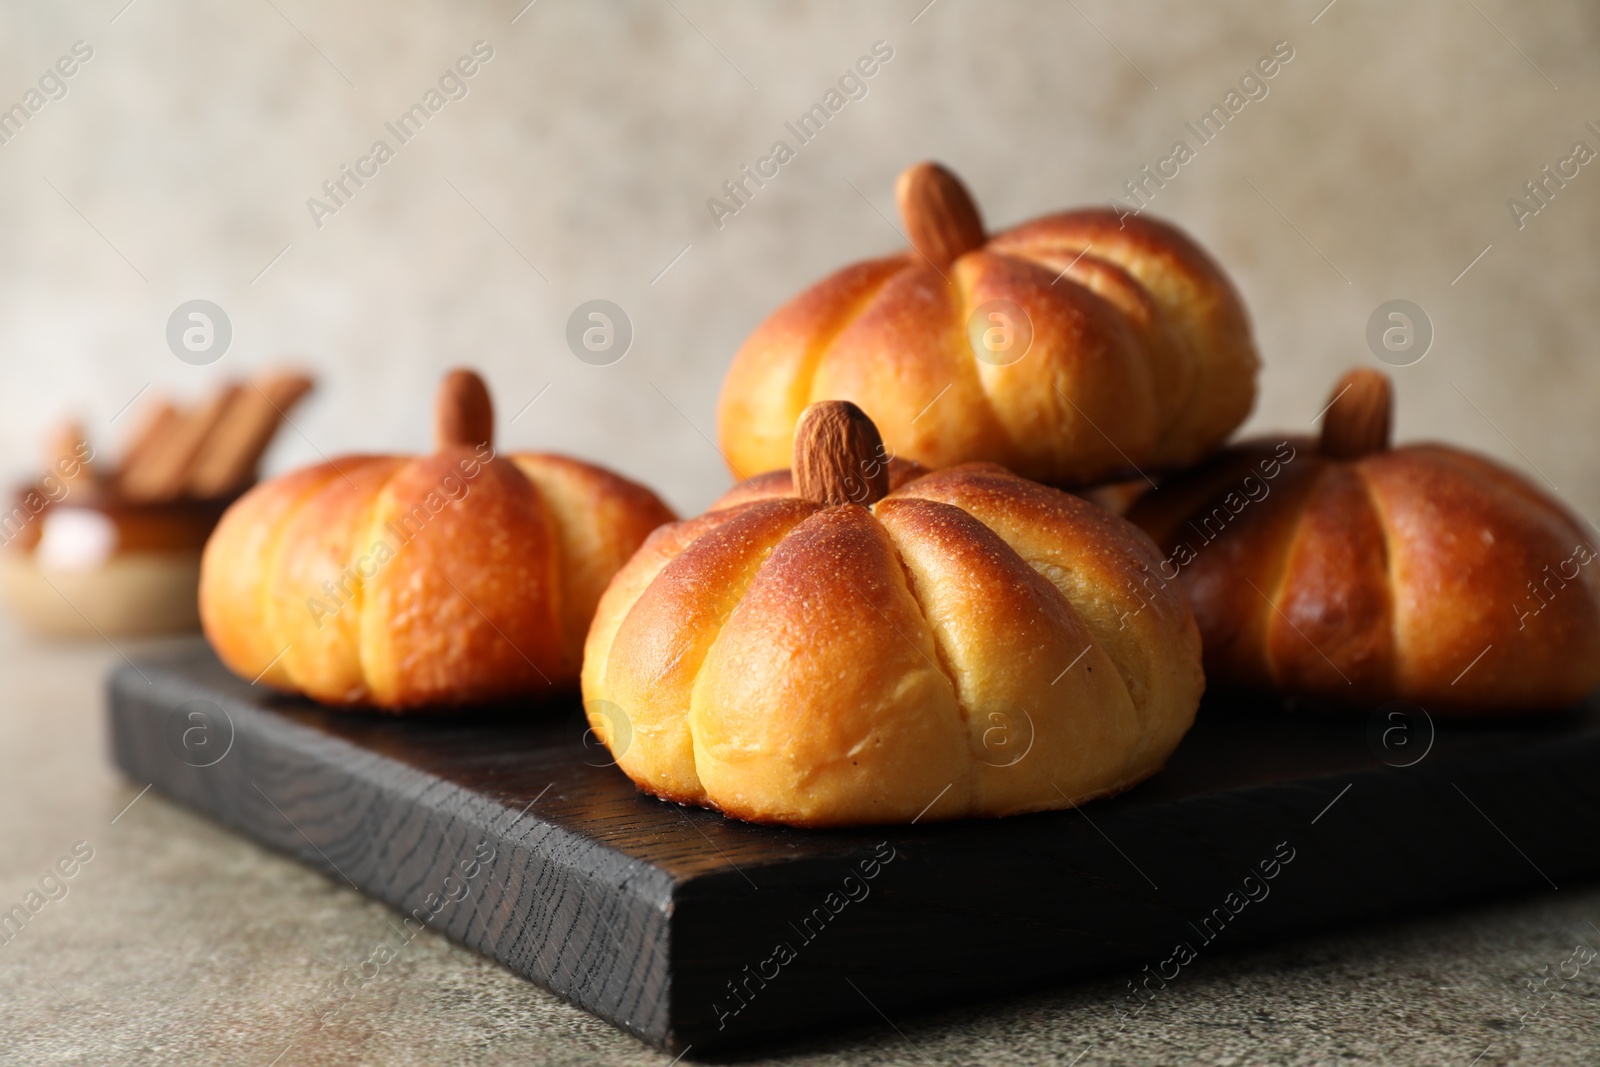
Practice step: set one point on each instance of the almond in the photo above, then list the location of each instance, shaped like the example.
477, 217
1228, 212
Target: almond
940, 216
838, 456
1359, 416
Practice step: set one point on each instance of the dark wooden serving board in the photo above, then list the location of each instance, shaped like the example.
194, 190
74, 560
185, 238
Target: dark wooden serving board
503, 830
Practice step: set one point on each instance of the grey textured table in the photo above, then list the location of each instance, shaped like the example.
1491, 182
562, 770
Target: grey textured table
178, 942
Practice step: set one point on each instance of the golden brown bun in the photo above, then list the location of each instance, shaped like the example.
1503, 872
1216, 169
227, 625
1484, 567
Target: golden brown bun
972, 644
400, 582
1421, 573
1141, 354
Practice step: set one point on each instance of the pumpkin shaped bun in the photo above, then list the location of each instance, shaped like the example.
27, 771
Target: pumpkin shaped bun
403, 581
1070, 349
862, 642
1346, 570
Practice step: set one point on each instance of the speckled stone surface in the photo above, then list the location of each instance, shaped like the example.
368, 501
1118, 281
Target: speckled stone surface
181, 943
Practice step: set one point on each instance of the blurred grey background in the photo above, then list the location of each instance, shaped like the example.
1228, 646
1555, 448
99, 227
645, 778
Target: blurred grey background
179, 161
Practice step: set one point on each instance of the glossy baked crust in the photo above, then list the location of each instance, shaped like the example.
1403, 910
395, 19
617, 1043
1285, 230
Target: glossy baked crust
972, 644
400, 582
1141, 355
1421, 573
